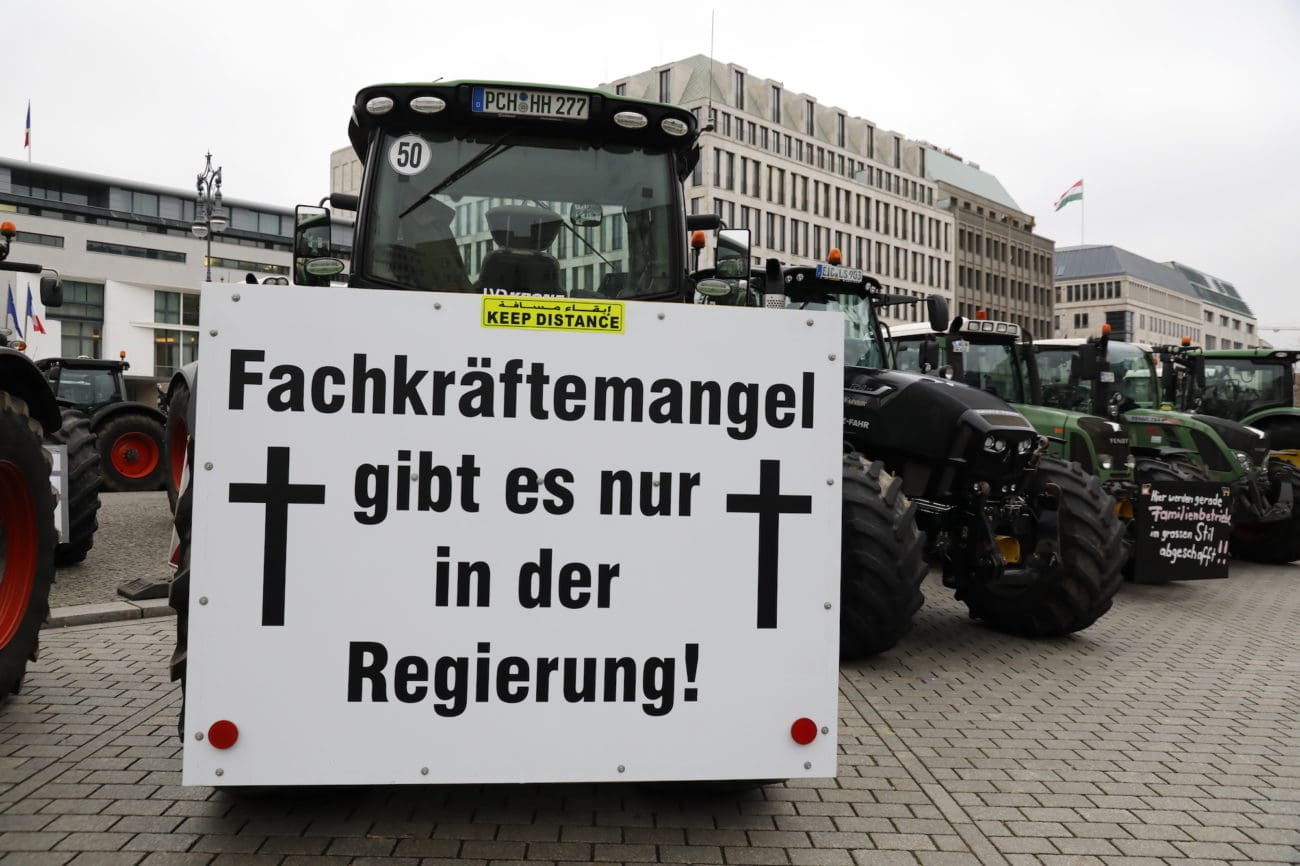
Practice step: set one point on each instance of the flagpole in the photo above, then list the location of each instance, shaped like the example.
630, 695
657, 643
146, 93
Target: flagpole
1083, 204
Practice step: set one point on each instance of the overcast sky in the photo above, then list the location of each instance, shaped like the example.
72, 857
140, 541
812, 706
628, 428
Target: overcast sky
1182, 118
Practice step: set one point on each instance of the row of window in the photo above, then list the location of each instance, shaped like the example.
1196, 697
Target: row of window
1223, 322
798, 237
816, 156
151, 253
344, 233
34, 183
832, 202
774, 107
1212, 343
971, 241
1091, 291
999, 284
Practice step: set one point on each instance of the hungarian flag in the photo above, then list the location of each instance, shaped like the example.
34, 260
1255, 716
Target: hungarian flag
1074, 193
11, 311
27, 137
31, 314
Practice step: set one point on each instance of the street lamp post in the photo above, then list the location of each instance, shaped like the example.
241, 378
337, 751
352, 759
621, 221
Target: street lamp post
209, 216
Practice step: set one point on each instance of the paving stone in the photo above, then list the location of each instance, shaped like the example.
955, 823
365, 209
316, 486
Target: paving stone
1162, 728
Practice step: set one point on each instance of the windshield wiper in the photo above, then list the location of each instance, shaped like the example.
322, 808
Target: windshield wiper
493, 149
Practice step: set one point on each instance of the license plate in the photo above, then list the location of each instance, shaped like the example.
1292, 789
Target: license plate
530, 103
835, 272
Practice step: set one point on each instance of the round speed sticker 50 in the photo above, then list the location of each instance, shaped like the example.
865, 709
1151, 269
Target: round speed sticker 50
409, 155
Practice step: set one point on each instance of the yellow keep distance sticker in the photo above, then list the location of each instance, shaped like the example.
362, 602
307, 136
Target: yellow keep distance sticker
552, 314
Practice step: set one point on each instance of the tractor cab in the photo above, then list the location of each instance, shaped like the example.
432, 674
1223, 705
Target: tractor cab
86, 384
492, 188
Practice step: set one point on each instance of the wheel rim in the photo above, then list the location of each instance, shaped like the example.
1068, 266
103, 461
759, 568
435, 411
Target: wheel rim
176, 441
18, 549
134, 455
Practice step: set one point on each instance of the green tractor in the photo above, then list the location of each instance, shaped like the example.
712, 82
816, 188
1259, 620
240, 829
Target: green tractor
1175, 445
1252, 386
1030, 542
1082, 424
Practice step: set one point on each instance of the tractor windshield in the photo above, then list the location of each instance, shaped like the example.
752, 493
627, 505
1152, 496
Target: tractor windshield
520, 213
1235, 387
1058, 371
992, 367
87, 388
1135, 373
863, 342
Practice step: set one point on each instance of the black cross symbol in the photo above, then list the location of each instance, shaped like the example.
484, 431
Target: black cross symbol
769, 504
277, 494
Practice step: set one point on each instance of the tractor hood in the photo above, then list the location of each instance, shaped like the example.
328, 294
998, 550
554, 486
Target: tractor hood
909, 417
1238, 437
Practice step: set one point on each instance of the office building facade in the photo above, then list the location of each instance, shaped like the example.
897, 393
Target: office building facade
805, 177
1145, 301
130, 265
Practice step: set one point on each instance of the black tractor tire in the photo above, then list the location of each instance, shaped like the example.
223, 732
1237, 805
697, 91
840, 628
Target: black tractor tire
1154, 469
1076, 564
176, 433
84, 481
131, 448
881, 560
1274, 543
27, 540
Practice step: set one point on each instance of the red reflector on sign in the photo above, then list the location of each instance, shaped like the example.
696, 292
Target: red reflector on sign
803, 731
223, 734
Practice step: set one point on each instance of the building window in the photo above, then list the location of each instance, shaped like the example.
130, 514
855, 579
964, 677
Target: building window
839, 131
621, 90
176, 308
810, 117
81, 318
173, 350
137, 252
740, 90
38, 239
776, 105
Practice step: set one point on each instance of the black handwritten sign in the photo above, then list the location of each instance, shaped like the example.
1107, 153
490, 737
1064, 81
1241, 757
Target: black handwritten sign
1182, 531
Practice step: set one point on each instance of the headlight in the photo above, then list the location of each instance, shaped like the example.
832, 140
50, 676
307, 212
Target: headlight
1105, 462
1023, 446
1131, 462
995, 445
1244, 459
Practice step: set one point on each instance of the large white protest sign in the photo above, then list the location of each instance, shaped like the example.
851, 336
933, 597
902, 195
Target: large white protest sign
452, 538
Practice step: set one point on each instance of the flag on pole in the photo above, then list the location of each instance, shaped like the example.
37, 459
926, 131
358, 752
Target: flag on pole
1074, 193
11, 311
31, 313
27, 137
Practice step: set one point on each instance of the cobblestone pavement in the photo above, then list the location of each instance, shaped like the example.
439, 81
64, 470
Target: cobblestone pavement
133, 541
1169, 733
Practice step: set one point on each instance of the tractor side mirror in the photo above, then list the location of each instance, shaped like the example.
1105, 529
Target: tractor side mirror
51, 291
937, 308
731, 258
312, 263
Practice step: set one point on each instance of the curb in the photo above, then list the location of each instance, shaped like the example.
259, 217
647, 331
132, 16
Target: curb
114, 611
